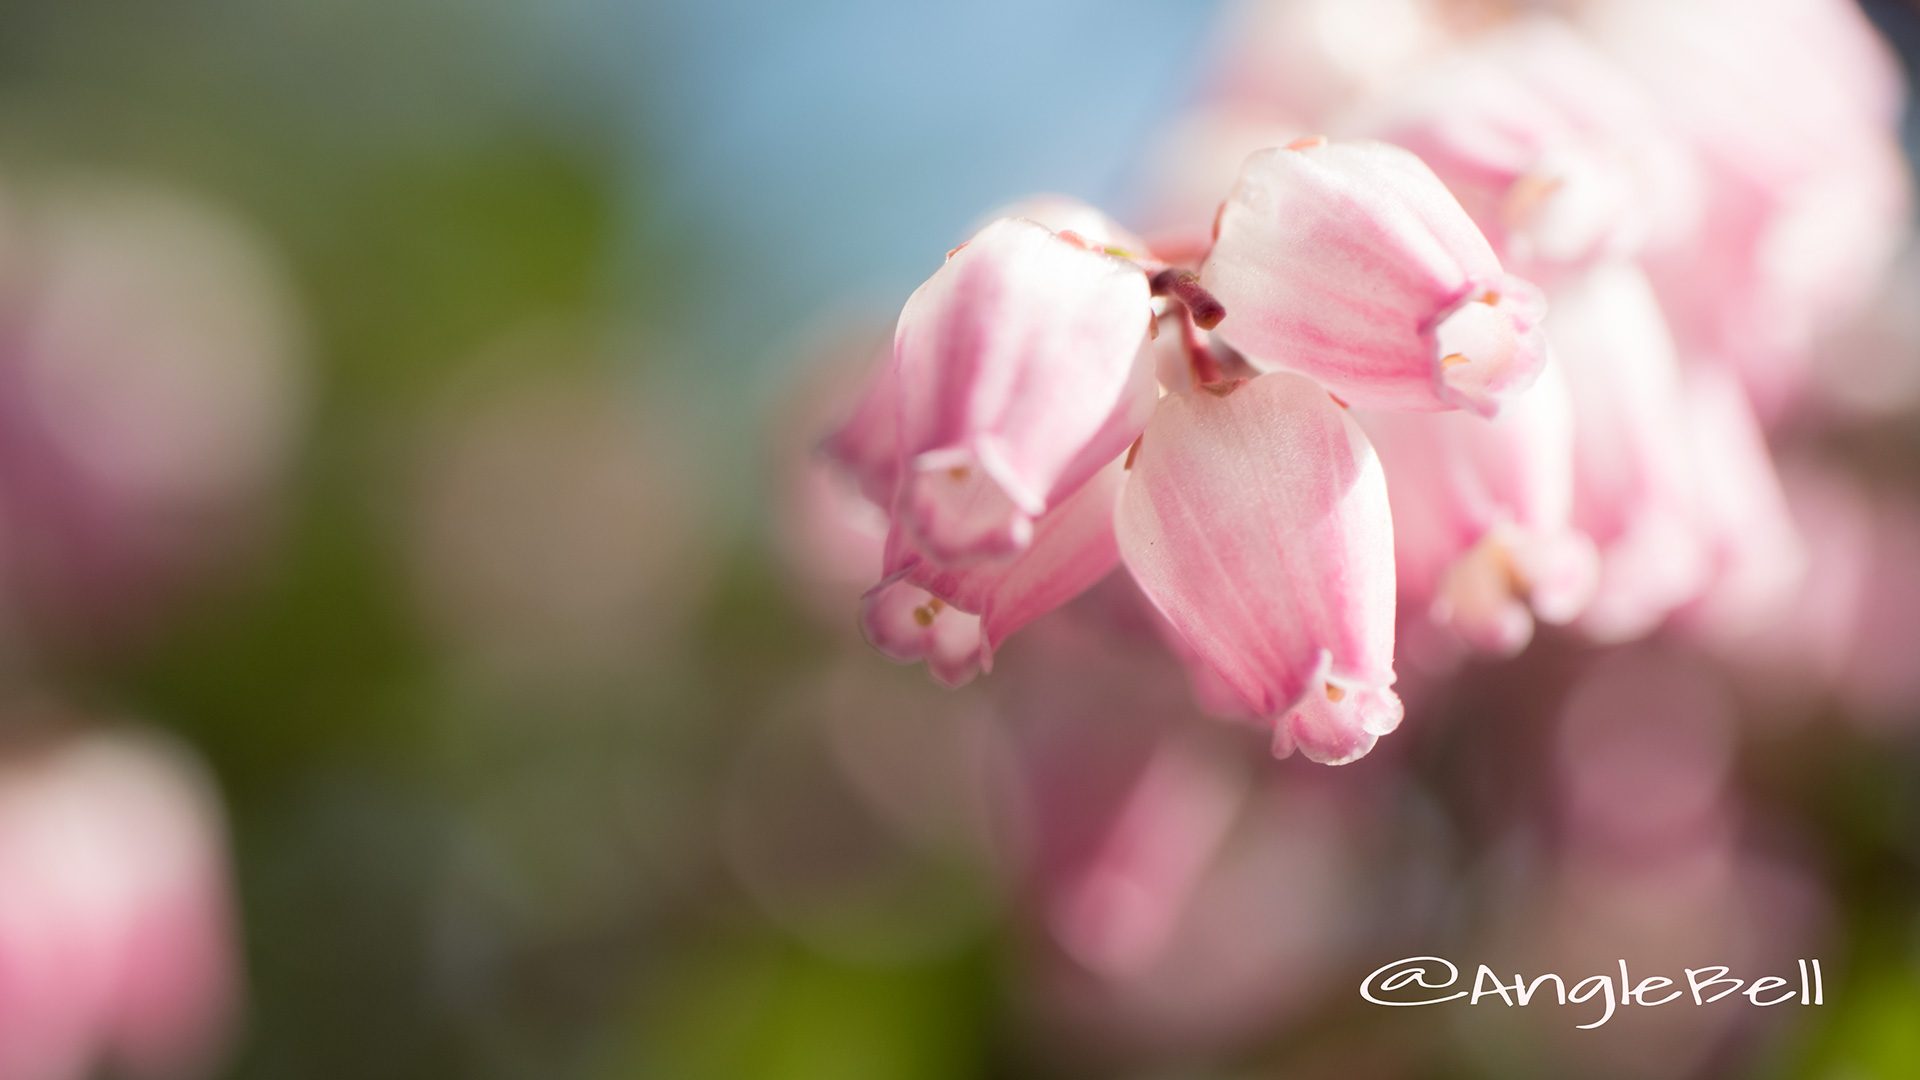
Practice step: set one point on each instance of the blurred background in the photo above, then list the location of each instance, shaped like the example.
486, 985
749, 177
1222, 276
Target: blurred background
411, 623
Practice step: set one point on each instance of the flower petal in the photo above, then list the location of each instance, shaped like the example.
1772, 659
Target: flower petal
1256, 520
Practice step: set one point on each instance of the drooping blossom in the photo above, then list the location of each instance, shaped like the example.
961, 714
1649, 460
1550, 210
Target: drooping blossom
1755, 554
1557, 155
1793, 121
1635, 481
1073, 547
1351, 263
1018, 378
908, 625
115, 920
1482, 515
1304, 60
1256, 520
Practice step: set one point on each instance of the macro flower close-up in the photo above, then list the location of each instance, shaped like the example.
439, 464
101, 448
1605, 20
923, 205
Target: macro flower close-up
751, 541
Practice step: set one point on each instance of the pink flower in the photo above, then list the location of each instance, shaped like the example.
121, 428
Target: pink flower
1755, 553
1351, 263
1256, 519
1019, 376
1306, 59
1558, 156
1073, 547
866, 446
1482, 513
1793, 120
115, 924
151, 389
1115, 909
908, 624
1634, 488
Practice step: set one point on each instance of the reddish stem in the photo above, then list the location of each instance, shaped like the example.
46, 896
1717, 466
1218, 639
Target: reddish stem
1184, 286
1206, 366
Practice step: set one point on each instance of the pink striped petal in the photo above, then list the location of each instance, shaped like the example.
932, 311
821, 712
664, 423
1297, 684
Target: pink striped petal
1351, 263
1073, 548
1020, 375
1635, 481
1482, 515
1256, 520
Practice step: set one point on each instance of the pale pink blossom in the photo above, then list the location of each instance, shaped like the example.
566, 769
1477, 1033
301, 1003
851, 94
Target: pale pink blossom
1019, 377
115, 922
1755, 553
1115, 908
1073, 547
151, 390
1306, 59
1558, 156
1352, 264
1793, 119
1256, 520
907, 624
1482, 515
1635, 486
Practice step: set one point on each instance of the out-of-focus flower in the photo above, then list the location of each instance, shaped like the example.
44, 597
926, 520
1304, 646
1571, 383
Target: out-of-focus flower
1018, 377
1256, 520
115, 921
1352, 264
1809, 193
1556, 154
1192, 166
553, 532
831, 526
150, 390
1754, 552
1482, 510
1843, 630
1302, 60
1652, 865
892, 859
1867, 369
1634, 489
1184, 900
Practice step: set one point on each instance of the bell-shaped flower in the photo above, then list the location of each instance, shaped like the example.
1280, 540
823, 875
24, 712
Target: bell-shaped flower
908, 624
1255, 518
1073, 548
1482, 516
1019, 376
1635, 486
1352, 264
1794, 122
1556, 154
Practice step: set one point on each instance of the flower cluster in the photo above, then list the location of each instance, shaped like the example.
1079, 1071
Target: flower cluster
1503, 348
